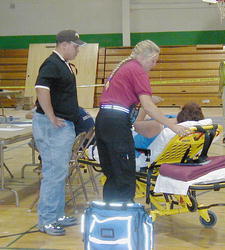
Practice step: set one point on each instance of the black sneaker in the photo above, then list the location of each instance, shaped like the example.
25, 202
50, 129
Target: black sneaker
67, 221
52, 229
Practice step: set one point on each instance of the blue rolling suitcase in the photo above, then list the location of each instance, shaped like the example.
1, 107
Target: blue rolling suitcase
117, 226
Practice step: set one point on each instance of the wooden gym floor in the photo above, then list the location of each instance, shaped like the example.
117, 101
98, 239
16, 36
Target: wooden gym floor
170, 232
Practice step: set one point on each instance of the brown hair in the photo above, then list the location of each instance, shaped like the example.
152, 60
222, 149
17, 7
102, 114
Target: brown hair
190, 112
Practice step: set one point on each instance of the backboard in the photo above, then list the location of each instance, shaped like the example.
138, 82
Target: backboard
220, 5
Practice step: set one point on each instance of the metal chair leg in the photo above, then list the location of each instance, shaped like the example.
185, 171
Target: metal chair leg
71, 193
33, 203
93, 181
7, 169
82, 183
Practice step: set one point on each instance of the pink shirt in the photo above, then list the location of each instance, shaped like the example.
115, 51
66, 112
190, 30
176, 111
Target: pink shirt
127, 84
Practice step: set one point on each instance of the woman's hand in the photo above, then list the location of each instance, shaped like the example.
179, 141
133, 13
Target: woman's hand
157, 99
180, 130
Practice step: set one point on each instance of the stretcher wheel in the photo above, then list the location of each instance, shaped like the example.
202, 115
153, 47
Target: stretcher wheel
194, 204
212, 222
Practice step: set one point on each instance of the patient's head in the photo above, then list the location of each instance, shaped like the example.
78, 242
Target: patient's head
190, 112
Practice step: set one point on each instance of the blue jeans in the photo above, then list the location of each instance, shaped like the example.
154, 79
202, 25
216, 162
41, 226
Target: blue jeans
55, 147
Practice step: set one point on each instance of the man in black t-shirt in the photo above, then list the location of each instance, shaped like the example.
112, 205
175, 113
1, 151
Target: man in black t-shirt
53, 130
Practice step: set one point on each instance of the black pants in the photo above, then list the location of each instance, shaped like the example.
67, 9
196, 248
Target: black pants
116, 152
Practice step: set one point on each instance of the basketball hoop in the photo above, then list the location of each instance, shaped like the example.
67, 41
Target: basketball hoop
220, 5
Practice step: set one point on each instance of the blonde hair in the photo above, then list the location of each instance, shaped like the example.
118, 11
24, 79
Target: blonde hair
145, 48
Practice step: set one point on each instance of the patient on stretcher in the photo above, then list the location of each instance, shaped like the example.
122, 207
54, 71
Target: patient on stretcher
149, 134
156, 145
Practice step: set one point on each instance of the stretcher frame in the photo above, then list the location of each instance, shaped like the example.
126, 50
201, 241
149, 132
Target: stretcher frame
190, 148
180, 149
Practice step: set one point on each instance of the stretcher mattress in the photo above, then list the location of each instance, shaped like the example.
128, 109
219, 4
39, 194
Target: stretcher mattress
169, 185
188, 172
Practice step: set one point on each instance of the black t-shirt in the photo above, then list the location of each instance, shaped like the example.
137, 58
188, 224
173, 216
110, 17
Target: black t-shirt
55, 75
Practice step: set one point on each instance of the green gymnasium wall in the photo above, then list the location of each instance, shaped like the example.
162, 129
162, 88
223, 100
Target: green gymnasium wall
111, 40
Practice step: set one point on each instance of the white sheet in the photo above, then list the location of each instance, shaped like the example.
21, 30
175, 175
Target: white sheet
171, 186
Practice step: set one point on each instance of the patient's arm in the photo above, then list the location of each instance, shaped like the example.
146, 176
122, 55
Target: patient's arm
148, 128
141, 115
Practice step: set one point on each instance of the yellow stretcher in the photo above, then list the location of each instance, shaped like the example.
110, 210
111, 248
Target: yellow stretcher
186, 150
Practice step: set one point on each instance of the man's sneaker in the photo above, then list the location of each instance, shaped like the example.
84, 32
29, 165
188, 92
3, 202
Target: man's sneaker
52, 229
67, 221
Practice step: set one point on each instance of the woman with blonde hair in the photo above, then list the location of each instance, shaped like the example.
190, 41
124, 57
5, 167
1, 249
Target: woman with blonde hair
128, 85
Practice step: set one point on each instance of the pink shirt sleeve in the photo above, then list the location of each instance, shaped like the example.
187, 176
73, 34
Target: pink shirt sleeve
140, 80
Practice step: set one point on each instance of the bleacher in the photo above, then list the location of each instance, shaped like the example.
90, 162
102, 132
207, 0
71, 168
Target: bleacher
182, 74
13, 66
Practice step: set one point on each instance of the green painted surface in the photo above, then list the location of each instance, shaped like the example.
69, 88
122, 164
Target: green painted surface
107, 40
181, 38
22, 42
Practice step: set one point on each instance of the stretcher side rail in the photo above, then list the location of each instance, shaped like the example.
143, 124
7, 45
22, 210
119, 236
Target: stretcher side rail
209, 186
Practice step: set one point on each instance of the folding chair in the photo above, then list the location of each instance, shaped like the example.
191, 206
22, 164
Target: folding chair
187, 150
81, 143
74, 170
88, 140
38, 171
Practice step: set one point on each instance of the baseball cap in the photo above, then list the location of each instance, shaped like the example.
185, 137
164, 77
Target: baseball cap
69, 36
